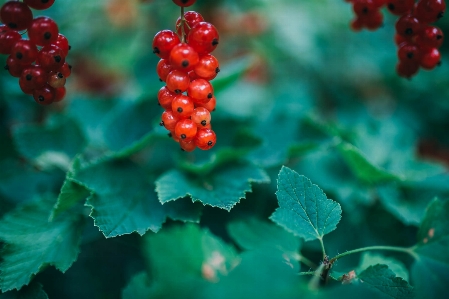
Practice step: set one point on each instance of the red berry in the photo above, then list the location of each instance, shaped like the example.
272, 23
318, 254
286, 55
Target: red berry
184, 3
63, 43
203, 37
207, 68
183, 57
65, 69
430, 36
44, 95
430, 58
24, 88
165, 97
209, 105
374, 20
187, 146
399, 39
39, 4
399, 7
169, 120
408, 25
205, 139
364, 7
407, 69
177, 81
163, 68
51, 58
163, 43
429, 11
59, 94
16, 15
56, 80
379, 3
182, 106
185, 129
14, 67
409, 52
25, 51
43, 31
191, 19
33, 77
356, 24
201, 117
200, 90
7, 40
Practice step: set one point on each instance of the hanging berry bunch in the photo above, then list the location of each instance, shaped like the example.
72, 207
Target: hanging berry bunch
39, 60
186, 67
418, 41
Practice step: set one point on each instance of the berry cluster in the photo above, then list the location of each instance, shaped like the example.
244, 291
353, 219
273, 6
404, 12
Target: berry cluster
418, 41
186, 67
39, 61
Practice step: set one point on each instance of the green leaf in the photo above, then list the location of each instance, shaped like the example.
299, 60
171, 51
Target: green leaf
254, 234
371, 259
124, 201
304, 209
385, 281
140, 286
223, 188
429, 272
32, 291
52, 144
32, 242
231, 72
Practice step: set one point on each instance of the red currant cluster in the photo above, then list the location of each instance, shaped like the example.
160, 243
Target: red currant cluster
186, 66
417, 40
39, 61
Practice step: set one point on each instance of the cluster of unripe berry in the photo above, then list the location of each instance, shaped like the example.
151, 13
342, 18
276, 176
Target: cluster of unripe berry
39, 61
418, 41
186, 67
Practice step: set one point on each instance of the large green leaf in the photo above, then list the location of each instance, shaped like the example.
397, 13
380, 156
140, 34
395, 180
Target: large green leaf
371, 259
429, 272
32, 291
386, 282
32, 242
304, 209
223, 188
124, 201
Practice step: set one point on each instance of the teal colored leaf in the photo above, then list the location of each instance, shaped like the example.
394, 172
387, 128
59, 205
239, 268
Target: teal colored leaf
385, 281
231, 72
32, 242
124, 201
140, 286
32, 291
429, 272
304, 209
52, 144
223, 188
371, 259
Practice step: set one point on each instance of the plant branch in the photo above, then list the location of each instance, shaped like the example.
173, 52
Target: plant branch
322, 247
389, 248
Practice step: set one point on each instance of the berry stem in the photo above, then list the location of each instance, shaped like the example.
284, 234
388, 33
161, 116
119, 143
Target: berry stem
183, 21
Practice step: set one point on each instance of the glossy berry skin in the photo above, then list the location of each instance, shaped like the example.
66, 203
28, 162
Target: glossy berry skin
14, 67
44, 95
431, 36
205, 139
203, 37
185, 129
59, 94
187, 146
65, 69
23, 86
165, 97
63, 43
207, 68
183, 57
25, 51
163, 43
408, 26
430, 58
209, 105
16, 15
409, 52
429, 11
56, 80
400, 7
43, 31
200, 90
169, 120
7, 40
399, 39
51, 58
191, 19
182, 106
177, 81
201, 117
33, 77
184, 3
374, 20
39, 4
407, 70
163, 68
363, 7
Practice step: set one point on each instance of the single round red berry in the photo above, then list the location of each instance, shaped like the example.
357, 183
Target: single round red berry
14, 67
33, 77
177, 81
7, 40
163, 68
165, 97
182, 106
205, 139
16, 15
430, 36
169, 120
400, 7
44, 95
23, 86
209, 105
187, 146
430, 58
409, 52
39, 4
374, 20
25, 51
43, 31
56, 80
63, 43
65, 69
363, 7
59, 94
207, 68
408, 26
185, 129
163, 43
191, 19
356, 24
201, 117
429, 11
200, 90
183, 57
184, 3
51, 58
407, 69
203, 37
399, 39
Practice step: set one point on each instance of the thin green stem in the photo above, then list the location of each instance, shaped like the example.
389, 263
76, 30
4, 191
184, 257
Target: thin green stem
306, 273
307, 262
183, 21
322, 247
389, 248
